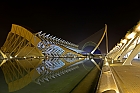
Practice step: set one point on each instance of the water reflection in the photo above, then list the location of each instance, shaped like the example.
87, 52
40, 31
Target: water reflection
58, 75
54, 67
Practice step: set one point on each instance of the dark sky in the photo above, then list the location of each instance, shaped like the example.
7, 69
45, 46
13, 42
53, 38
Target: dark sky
70, 20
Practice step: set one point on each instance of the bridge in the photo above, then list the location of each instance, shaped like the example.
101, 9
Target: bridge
121, 69
40, 60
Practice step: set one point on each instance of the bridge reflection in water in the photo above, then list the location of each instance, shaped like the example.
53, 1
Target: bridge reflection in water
53, 75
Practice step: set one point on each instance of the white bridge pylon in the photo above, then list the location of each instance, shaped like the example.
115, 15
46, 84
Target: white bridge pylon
105, 33
128, 45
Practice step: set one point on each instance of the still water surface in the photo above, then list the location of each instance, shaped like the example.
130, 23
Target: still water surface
54, 75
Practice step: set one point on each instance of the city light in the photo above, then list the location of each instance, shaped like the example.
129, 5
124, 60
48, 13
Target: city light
137, 28
11, 57
124, 41
131, 35
119, 44
106, 64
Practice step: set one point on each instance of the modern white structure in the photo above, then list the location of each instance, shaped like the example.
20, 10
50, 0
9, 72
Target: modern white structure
128, 48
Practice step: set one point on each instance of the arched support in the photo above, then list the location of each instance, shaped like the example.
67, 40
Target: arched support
132, 55
126, 51
125, 48
122, 49
128, 48
118, 53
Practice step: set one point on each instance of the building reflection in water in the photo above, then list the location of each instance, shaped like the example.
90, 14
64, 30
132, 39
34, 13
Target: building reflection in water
25, 69
19, 73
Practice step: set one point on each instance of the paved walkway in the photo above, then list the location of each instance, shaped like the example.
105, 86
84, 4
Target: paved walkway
107, 83
127, 77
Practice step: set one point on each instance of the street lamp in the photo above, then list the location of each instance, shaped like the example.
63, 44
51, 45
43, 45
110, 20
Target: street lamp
137, 28
119, 44
124, 41
131, 35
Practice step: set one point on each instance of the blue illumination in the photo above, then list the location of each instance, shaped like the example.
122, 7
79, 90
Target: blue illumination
88, 49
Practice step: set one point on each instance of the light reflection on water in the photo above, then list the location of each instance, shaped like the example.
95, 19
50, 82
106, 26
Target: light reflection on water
53, 75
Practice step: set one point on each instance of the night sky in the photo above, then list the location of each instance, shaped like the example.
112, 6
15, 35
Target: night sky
70, 20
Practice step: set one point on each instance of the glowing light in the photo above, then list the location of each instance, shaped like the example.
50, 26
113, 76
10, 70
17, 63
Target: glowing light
131, 35
112, 61
138, 28
119, 44
107, 64
138, 40
11, 57
112, 90
123, 41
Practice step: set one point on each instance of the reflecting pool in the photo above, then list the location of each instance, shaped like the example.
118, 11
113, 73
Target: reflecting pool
52, 75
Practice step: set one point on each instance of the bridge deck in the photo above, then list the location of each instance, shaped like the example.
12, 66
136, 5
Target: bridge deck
127, 77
